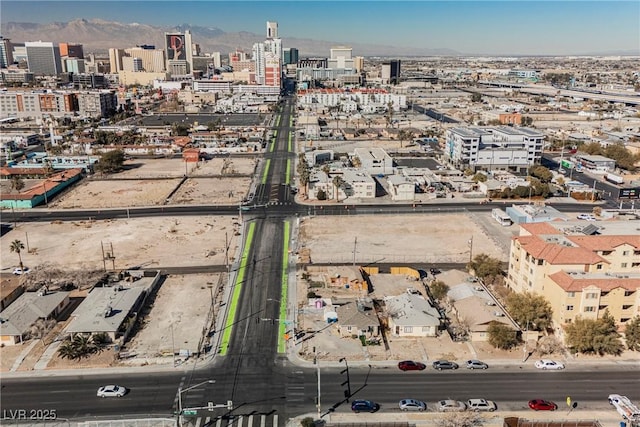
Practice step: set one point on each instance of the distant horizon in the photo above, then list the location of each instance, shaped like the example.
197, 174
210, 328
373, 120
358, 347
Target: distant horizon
470, 28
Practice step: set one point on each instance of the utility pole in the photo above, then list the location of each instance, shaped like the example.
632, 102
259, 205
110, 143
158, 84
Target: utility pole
317, 360
470, 249
355, 245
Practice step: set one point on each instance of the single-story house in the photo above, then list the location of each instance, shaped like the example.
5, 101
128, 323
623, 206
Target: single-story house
358, 318
411, 315
17, 319
476, 309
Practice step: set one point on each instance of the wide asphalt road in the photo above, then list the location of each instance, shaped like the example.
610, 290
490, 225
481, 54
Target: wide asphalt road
251, 370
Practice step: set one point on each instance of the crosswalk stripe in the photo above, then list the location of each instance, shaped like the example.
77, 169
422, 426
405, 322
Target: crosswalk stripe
275, 420
240, 418
207, 421
198, 421
250, 421
219, 422
263, 420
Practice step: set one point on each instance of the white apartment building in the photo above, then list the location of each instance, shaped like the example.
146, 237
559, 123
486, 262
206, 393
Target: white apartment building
491, 148
358, 184
375, 161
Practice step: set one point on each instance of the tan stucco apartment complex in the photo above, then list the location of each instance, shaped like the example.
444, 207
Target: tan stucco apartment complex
582, 268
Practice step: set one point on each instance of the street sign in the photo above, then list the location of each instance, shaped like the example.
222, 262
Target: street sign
189, 412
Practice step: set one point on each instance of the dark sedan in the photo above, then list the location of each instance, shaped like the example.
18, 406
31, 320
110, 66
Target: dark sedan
444, 364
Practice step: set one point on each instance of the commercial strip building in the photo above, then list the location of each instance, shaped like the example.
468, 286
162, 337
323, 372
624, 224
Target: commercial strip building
582, 270
491, 148
22, 103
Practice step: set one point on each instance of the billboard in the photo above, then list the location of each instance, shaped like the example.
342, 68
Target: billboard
176, 47
629, 193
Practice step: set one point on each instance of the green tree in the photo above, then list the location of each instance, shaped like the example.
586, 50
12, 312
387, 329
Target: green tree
439, 289
304, 172
531, 311
632, 334
405, 135
593, 148
67, 350
485, 266
111, 161
623, 157
594, 336
17, 183
502, 336
17, 246
307, 422
479, 177
526, 121
476, 97
321, 194
338, 182
541, 172
388, 116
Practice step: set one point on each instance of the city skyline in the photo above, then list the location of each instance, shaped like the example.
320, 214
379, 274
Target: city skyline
468, 27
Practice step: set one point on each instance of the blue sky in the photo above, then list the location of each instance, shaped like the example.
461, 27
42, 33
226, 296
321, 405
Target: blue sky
489, 27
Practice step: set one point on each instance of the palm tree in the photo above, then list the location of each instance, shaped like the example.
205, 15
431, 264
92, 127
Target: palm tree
405, 135
337, 183
17, 246
67, 350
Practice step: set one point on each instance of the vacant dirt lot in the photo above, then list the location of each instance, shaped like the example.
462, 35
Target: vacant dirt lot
116, 194
390, 238
222, 191
162, 242
169, 325
154, 168
224, 166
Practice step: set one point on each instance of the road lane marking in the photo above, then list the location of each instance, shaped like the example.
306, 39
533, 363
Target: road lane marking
282, 326
287, 172
235, 296
265, 173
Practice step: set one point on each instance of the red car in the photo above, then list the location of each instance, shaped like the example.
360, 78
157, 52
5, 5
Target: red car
542, 405
410, 365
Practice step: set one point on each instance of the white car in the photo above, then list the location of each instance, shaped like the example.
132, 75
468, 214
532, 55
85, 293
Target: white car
586, 217
19, 271
549, 364
481, 405
449, 405
112, 391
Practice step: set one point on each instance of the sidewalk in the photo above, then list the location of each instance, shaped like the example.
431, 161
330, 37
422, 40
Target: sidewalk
606, 418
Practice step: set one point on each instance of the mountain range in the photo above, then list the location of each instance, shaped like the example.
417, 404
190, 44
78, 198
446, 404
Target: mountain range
97, 35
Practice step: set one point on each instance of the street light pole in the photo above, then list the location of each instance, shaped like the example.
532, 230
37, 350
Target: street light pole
318, 373
470, 249
180, 391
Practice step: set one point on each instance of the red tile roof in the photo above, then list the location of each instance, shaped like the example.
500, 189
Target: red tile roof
575, 284
554, 253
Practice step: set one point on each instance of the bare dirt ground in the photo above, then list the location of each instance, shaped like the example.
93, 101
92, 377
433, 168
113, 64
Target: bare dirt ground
116, 194
223, 191
154, 168
168, 326
225, 166
406, 238
148, 242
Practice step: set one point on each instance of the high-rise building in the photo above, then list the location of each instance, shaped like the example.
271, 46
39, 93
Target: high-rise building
341, 57
358, 63
6, 52
71, 50
390, 72
179, 51
290, 55
43, 58
272, 30
115, 59
268, 57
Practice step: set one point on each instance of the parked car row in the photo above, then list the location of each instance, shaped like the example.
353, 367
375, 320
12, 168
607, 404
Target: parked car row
449, 405
410, 365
